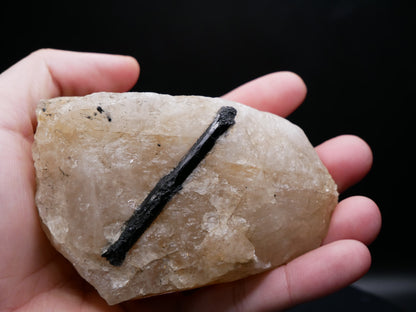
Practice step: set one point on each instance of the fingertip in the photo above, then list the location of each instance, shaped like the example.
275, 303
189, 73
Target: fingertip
356, 217
360, 257
363, 149
295, 82
327, 269
294, 94
371, 212
279, 93
351, 259
348, 159
80, 73
130, 69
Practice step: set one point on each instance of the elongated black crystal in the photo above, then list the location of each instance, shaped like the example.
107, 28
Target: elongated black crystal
168, 186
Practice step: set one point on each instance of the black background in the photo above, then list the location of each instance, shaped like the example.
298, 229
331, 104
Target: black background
356, 57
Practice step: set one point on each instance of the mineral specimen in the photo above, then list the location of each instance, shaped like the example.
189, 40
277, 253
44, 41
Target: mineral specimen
259, 198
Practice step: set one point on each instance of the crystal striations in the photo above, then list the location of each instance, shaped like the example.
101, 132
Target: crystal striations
258, 199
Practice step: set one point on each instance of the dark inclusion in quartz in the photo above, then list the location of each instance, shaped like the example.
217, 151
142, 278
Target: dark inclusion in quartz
168, 186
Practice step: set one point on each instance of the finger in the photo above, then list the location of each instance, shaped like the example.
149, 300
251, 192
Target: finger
310, 276
326, 270
348, 159
279, 93
356, 218
50, 73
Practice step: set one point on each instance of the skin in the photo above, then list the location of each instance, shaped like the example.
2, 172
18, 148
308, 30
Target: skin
34, 277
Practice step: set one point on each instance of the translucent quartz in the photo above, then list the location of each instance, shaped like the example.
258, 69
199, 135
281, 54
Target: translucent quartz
260, 198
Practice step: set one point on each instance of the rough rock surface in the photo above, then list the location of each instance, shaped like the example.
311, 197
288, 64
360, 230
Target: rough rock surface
260, 198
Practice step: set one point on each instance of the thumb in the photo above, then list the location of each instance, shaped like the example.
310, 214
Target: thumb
49, 73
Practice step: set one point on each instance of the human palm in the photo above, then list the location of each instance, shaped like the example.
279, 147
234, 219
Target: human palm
34, 277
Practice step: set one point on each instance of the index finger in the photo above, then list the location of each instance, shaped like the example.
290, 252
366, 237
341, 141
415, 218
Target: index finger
279, 93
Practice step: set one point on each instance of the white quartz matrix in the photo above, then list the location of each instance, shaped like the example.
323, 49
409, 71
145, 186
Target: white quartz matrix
260, 198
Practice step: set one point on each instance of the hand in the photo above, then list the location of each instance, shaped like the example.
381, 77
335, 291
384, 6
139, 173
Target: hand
33, 276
